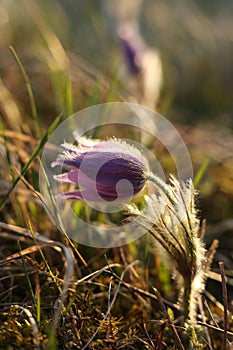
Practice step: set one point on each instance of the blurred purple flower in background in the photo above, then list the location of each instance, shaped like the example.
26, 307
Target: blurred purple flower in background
133, 48
143, 66
140, 69
106, 170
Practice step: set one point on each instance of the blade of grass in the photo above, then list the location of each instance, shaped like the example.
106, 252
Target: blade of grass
26, 274
68, 96
54, 212
33, 156
201, 172
9, 167
38, 304
52, 340
224, 293
62, 89
29, 91
53, 277
2, 129
10, 111
33, 325
57, 219
59, 65
50, 38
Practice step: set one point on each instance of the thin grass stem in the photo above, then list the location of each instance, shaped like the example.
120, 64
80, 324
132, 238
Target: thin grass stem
33, 156
29, 91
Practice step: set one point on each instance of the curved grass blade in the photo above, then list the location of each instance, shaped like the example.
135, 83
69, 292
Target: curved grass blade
201, 172
33, 156
29, 90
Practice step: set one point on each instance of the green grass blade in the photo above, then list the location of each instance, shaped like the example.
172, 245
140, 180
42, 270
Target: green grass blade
33, 156
26, 274
8, 157
45, 261
201, 172
29, 91
62, 89
68, 96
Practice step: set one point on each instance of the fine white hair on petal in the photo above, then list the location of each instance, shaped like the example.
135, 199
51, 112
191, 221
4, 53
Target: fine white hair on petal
87, 142
108, 145
62, 157
114, 146
128, 148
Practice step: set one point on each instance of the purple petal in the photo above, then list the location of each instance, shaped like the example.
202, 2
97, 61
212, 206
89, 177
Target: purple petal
70, 177
69, 195
76, 177
92, 196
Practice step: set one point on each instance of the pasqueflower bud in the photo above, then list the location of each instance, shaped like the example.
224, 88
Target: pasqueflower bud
100, 169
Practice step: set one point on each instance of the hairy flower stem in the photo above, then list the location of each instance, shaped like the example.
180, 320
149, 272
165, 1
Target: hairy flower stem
170, 216
186, 300
182, 243
161, 185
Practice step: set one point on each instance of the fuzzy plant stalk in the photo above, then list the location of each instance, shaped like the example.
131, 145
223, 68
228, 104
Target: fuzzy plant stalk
171, 218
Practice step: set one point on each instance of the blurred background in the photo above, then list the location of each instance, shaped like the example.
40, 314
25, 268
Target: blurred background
172, 56
194, 40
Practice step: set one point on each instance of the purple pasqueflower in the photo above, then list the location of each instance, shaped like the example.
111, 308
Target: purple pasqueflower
133, 48
106, 170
